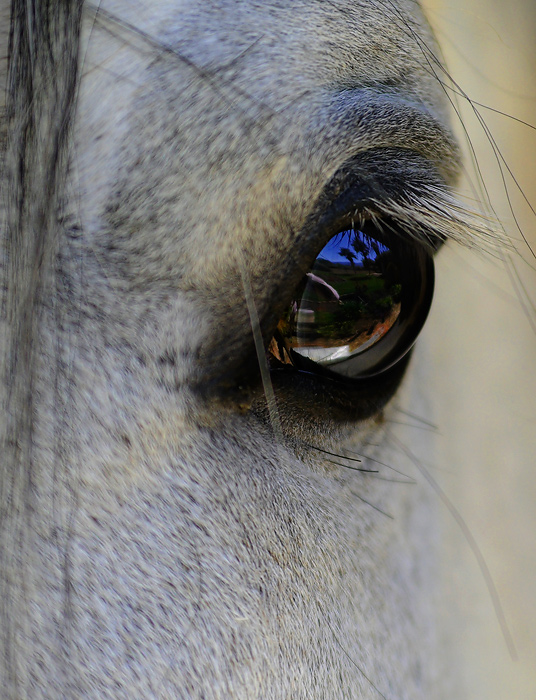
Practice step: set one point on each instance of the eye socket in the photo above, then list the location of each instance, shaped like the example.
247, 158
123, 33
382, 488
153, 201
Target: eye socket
360, 308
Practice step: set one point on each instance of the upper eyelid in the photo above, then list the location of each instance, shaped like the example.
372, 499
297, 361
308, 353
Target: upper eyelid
368, 184
353, 121
408, 188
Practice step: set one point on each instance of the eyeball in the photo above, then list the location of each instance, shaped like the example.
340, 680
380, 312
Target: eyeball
360, 308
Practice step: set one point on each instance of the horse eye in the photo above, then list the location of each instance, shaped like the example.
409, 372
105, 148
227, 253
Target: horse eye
360, 308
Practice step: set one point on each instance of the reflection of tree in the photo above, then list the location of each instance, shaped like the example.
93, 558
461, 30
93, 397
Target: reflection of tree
368, 248
362, 298
361, 247
347, 253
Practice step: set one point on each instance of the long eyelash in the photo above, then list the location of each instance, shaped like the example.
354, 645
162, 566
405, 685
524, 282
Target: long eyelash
433, 209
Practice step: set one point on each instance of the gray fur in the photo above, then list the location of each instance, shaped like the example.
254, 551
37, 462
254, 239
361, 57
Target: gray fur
157, 541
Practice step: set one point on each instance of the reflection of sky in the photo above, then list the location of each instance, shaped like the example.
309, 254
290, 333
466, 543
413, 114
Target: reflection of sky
344, 239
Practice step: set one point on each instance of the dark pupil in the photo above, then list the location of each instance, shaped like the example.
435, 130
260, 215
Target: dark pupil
360, 307
350, 301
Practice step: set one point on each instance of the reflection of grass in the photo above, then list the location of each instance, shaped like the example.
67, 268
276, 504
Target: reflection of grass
341, 322
367, 297
343, 286
371, 303
372, 285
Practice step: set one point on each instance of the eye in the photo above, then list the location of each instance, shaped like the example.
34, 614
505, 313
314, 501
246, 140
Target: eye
360, 308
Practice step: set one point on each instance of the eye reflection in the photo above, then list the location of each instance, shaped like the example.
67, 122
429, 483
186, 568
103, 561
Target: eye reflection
360, 307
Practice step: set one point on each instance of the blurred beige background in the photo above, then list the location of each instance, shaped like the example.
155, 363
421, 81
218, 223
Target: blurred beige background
484, 348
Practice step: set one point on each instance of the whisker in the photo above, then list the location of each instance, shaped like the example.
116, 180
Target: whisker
406, 482
387, 466
496, 150
419, 418
368, 503
521, 292
471, 541
427, 428
261, 357
350, 659
327, 452
355, 469
494, 110
500, 158
528, 307
374, 472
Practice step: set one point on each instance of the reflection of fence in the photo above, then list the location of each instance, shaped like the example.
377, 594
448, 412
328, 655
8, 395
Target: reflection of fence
306, 316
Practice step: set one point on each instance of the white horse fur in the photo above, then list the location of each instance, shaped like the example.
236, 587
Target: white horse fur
169, 529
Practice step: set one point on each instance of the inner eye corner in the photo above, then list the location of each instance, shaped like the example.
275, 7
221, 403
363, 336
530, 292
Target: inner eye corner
361, 306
